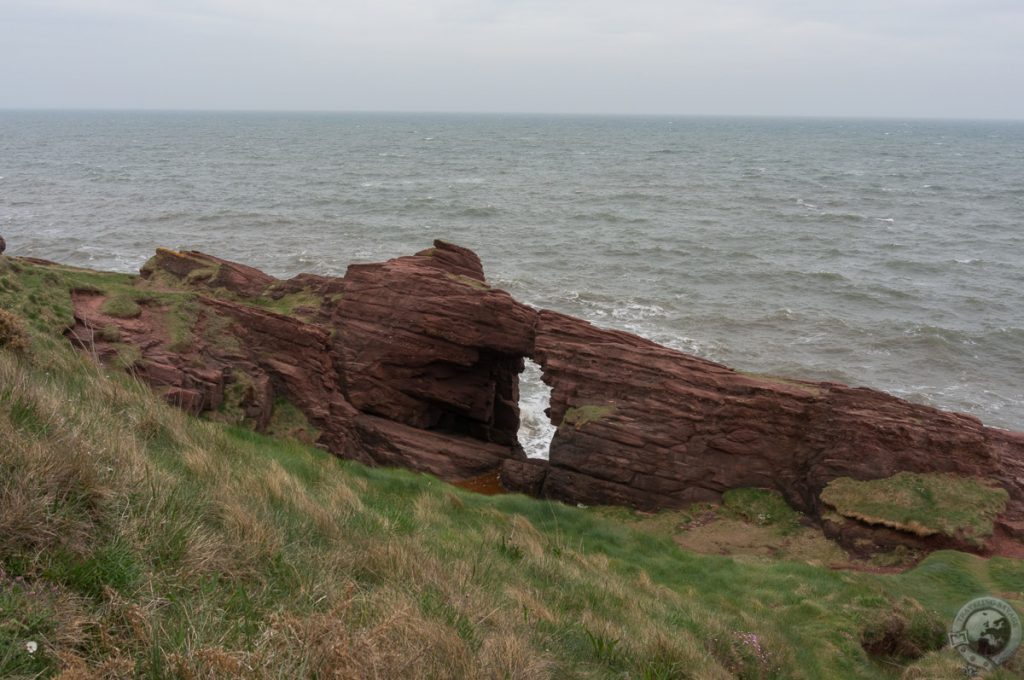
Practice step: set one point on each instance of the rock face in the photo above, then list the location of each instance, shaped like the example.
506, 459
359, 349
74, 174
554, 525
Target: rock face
649, 427
425, 342
411, 363
414, 362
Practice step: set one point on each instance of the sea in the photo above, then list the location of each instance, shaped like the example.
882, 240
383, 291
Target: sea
881, 253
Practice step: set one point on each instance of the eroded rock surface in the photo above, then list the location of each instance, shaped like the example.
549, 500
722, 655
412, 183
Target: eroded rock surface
426, 342
199, 269
409, 363
414, 362
649, 427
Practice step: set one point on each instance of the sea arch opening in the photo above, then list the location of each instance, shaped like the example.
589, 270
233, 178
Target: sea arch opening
535, 427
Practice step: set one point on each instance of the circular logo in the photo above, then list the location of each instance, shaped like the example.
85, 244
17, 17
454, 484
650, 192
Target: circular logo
986, 632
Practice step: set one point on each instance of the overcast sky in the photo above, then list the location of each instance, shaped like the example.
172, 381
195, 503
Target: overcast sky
914, 58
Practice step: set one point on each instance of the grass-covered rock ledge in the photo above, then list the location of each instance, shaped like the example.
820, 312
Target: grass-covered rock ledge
960, 508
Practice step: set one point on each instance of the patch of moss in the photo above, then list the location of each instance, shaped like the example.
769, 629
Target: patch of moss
181, 322
468, 281
236, 391
109, 333
293, 303
216, 330
579, 416
127, 356
202, 275
121, 306
922, 504
288, 421
763, 507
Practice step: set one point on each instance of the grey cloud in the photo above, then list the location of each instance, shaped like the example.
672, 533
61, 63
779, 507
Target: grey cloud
946, 58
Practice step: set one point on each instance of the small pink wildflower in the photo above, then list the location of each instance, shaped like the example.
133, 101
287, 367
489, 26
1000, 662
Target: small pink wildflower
752, 641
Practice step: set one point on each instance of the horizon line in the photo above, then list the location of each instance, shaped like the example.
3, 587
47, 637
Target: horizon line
878, 117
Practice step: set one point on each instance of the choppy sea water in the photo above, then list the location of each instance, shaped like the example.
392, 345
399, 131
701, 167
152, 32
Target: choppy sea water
881, 253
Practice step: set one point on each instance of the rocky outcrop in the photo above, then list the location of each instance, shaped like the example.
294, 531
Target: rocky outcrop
411, 363
649, 427
195, 269
655, 428
414, 362
424, 341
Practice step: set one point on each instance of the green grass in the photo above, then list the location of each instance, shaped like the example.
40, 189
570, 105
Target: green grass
122, 306
12, 332
128, 356
136, 541
292, 303
923, 504
762, 507
287, 421
109, 333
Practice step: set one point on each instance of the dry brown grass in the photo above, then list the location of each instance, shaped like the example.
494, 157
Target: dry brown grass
734, 537
13, 336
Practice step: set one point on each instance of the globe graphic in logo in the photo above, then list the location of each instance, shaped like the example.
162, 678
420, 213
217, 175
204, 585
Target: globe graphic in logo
988, 632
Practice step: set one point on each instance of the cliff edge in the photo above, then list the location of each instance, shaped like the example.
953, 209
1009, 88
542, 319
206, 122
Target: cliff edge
414, 363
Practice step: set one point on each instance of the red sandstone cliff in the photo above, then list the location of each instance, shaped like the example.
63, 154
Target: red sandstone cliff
414, 362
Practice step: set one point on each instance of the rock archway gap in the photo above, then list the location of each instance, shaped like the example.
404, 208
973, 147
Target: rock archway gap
535, 428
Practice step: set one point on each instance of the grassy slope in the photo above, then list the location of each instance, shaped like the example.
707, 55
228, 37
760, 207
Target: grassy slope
138, 542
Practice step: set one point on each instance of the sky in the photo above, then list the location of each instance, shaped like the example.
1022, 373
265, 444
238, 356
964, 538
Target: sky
875, 58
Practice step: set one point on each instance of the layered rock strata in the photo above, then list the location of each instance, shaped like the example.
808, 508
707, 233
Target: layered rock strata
414, 362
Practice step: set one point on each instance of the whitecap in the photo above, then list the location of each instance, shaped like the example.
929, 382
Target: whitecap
684, 344
638, 311
535, 428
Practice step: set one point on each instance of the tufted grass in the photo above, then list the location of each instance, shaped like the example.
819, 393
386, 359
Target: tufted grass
121, 307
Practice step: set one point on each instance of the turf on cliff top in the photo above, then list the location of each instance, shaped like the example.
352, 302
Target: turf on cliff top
199, 480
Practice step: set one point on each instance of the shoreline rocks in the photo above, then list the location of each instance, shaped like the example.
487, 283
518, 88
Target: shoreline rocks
414, 362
